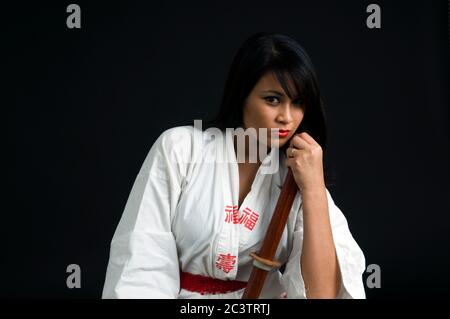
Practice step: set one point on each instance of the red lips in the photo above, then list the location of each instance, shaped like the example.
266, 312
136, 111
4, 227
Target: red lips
283, 133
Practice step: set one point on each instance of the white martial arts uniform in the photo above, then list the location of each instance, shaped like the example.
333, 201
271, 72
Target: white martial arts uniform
182, 215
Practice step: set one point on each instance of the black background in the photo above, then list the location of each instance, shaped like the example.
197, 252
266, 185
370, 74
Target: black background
90, 102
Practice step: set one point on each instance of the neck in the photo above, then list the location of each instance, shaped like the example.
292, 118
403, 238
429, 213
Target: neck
246, 154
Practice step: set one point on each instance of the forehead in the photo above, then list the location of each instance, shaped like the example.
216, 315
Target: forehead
269, 81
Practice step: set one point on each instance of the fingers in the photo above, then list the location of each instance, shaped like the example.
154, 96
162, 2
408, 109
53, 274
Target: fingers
308, 138
302, 141
290, 152
299, 142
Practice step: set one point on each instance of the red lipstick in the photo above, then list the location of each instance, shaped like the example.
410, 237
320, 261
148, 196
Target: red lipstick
283, 133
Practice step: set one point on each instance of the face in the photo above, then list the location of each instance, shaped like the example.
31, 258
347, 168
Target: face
268, 106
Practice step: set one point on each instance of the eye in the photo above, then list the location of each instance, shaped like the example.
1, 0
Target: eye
272, 100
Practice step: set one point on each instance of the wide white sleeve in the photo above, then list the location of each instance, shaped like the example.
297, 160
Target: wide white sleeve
143, 261
349, 254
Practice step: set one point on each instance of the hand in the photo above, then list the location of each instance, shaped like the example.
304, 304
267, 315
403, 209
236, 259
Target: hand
304, 157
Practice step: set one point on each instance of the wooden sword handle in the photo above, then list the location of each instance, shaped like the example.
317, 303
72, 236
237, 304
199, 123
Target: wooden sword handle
273, 236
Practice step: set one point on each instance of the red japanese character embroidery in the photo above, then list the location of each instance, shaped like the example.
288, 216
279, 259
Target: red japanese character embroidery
249, 218
225, 262
232, 214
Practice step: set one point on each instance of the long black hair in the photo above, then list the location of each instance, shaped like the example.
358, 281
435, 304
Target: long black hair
272, 52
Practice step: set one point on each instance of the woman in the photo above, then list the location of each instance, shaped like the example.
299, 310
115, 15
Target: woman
201, 203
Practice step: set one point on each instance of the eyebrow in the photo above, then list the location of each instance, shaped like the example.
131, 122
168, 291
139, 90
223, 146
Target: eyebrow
278, 93
274, 91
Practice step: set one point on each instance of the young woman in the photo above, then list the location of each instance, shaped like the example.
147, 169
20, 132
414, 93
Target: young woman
200, 205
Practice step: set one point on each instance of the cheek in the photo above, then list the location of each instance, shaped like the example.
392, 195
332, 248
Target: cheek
266, 114
266, 117
256, 115
299, 114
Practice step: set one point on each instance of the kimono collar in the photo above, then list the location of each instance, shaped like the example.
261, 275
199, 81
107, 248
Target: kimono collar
272, 164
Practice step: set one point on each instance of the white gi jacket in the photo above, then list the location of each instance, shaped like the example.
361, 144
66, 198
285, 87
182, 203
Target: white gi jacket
182, 215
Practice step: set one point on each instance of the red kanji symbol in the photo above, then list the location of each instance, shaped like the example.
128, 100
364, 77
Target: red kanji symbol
226, 262
249, 218
232, 214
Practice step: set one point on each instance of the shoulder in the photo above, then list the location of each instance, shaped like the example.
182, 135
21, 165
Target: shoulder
176, 136
171, 153
177, 144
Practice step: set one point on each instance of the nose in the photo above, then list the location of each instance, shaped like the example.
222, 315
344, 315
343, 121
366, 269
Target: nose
284, 114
